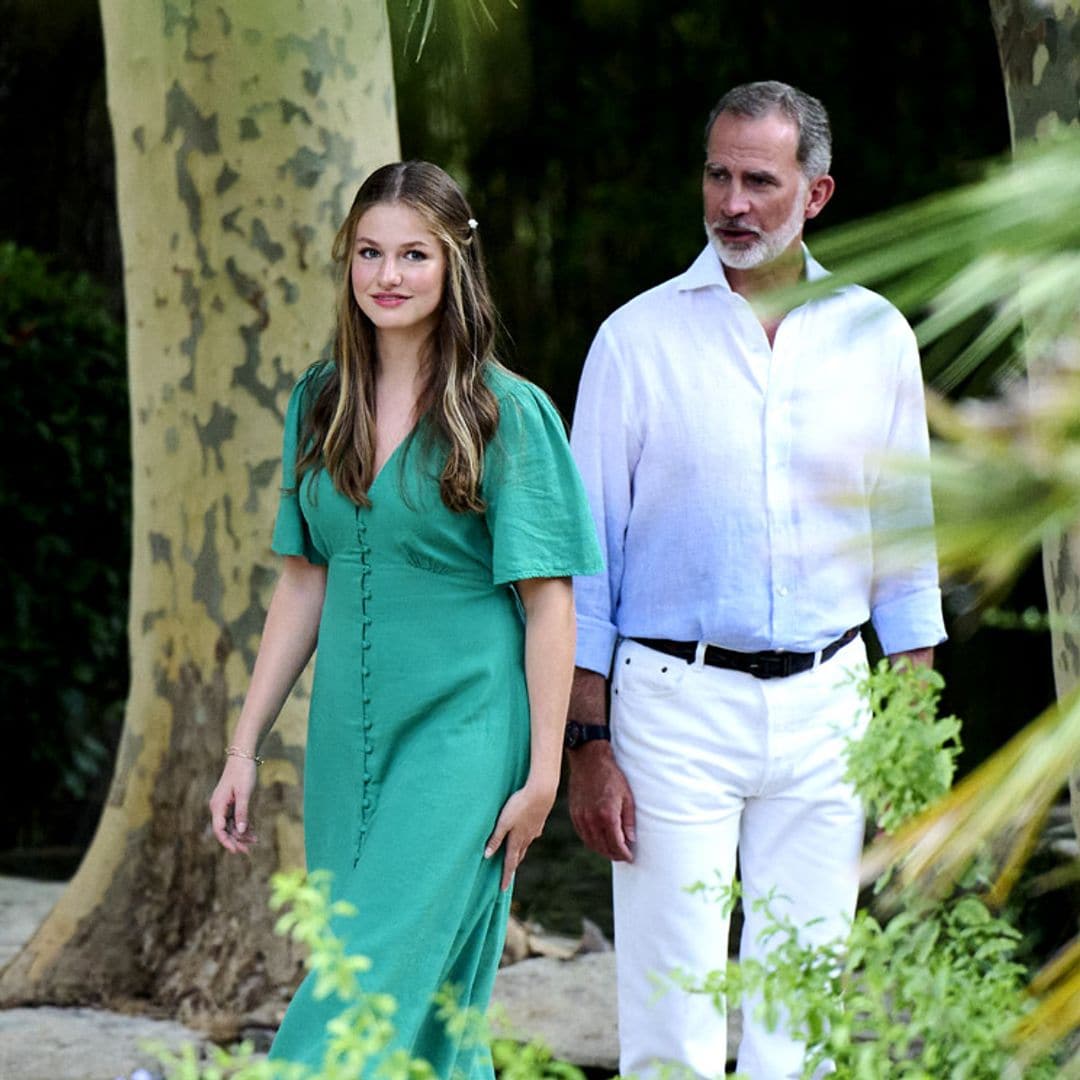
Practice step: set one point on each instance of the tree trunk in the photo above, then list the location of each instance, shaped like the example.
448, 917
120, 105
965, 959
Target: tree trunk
1040, 63
242, 129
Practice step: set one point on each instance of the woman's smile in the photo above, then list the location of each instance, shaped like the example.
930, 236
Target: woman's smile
389, 300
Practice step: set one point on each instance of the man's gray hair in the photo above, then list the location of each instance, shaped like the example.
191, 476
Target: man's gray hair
757, 99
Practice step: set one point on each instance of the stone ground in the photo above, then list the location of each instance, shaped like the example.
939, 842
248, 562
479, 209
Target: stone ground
569, 1004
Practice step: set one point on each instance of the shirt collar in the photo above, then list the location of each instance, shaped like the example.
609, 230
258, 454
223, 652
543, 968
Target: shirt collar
707, 270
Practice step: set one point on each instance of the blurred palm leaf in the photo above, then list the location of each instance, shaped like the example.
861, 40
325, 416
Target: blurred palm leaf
1058, 987
1006, 247
1006, 475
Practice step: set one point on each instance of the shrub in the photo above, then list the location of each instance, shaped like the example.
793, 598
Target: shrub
64, 497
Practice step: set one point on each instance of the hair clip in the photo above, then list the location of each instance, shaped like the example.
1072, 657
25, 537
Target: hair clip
472, 223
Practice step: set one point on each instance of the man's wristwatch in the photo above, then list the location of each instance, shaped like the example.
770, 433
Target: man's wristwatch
578, 734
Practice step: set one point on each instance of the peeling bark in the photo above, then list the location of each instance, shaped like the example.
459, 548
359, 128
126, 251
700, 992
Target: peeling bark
242, 128
1039, 45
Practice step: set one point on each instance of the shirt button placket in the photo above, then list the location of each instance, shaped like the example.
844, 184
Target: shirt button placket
366, 800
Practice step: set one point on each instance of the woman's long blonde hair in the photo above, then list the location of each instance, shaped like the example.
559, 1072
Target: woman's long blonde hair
462, 413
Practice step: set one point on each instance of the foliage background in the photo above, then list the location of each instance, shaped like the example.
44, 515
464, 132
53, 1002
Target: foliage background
65, 499
576, 129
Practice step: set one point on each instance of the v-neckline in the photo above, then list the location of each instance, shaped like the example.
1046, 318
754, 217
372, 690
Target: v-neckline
393, 454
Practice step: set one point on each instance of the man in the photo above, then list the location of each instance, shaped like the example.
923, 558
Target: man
737, 465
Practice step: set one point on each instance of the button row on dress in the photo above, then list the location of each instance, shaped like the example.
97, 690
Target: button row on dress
365, 644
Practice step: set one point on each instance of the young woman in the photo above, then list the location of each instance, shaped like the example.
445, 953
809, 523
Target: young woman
430, 519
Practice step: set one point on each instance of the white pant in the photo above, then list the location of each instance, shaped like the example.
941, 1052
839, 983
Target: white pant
719, 760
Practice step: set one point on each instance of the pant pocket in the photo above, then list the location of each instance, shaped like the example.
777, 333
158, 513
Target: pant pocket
641, 672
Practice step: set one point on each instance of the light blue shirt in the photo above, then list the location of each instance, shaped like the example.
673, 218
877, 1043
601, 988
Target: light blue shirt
746, 495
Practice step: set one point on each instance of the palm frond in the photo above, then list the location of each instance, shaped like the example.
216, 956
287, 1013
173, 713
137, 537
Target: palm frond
418, 9
1007, 245
1006, 474
1057, 986
463, 12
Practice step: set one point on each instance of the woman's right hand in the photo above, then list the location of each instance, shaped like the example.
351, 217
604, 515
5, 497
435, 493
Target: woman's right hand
229, 806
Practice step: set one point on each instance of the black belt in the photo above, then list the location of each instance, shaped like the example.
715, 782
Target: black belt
769, 664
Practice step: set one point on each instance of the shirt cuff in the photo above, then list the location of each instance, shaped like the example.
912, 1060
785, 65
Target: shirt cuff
596, 639
912, 621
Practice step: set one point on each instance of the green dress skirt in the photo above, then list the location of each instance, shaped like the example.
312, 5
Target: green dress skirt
419, 722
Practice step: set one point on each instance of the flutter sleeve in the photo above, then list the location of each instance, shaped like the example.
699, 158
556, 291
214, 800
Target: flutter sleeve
292, 533
537, 510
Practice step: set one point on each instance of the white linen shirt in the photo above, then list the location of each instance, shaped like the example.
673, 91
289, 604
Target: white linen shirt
743, 494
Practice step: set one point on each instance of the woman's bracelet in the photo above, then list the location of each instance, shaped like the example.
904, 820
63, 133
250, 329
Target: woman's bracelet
235, 751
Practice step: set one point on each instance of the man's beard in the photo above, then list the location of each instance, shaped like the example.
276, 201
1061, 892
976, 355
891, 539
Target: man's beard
765, 248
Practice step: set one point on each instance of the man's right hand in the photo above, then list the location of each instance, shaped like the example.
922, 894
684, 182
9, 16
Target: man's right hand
601, 803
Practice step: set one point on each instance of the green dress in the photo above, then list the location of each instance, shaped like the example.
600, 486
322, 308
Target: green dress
419, 721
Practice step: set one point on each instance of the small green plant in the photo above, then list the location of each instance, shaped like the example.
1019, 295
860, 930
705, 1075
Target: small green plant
907, 757
513, 1059
931, 994
725, 893
362, 1033
530, 1061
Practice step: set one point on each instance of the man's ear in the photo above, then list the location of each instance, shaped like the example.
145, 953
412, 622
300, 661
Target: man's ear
820, 193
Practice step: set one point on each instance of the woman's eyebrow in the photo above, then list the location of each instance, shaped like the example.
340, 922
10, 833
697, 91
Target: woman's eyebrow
377, 243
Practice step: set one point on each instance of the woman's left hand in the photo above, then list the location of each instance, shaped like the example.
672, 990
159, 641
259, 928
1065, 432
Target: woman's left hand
521, 821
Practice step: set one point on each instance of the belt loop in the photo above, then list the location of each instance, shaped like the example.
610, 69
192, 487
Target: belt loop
699, 653
817, 660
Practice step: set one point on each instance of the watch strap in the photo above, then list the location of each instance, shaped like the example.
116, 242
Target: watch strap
578, 734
